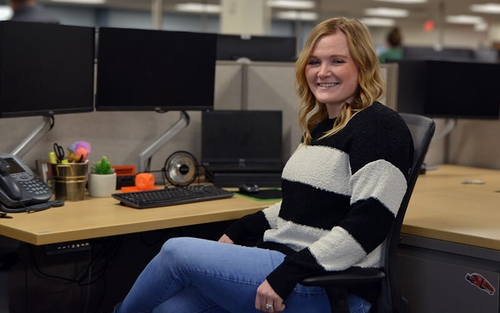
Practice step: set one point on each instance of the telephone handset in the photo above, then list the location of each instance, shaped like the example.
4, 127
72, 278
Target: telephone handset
19, 188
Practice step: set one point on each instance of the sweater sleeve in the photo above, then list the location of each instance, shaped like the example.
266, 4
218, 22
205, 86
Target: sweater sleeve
253, 225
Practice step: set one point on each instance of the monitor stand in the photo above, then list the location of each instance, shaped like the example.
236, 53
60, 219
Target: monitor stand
28, 143
146, 155
447, 129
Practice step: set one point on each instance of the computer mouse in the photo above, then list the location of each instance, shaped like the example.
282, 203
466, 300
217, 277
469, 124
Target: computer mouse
249, 188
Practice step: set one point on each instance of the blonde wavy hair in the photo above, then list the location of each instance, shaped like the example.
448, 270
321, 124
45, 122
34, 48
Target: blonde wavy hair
371, 84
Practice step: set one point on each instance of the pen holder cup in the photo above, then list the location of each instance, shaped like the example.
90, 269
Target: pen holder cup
69, 180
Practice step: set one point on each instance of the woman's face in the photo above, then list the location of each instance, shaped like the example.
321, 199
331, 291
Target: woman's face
331, 72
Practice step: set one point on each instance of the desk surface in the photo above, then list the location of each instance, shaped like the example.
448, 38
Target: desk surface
443, 208
101, 217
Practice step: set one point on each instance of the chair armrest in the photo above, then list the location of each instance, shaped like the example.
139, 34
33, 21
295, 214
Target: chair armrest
350, 277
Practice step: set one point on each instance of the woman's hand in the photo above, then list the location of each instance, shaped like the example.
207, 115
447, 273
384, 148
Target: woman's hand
267, 300
225, 239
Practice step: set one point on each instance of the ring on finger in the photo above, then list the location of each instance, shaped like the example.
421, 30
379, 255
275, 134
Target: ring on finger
269, 306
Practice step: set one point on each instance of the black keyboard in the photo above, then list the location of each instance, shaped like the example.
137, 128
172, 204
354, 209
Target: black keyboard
171, 196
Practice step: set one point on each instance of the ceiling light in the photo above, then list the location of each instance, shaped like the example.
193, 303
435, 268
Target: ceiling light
386, 12
464, 19
493, 8
403, 1
5, 12
198, 8
297, 15
290, 4
81, 1
374, 21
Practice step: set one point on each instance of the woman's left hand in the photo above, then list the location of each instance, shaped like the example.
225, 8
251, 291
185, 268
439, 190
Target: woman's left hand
267, 300
224, 238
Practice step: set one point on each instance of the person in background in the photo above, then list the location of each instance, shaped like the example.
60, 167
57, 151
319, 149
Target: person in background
30, 11
341, 190
394, 43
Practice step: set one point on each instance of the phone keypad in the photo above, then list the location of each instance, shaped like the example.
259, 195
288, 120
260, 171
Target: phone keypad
35, 187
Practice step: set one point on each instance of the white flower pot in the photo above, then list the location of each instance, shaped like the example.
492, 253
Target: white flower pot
102, 185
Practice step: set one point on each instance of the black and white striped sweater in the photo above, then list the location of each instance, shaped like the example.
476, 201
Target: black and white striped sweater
340, 196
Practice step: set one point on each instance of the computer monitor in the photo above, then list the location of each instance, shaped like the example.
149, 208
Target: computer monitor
45, 69
229, 136
256, 48
447, 89
146, 70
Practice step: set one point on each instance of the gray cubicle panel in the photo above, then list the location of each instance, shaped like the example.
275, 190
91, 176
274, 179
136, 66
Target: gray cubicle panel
271, 86
390, 76
228, 85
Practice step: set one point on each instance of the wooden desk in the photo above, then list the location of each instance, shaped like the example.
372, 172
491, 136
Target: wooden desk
451, 231
443, 208
101, 217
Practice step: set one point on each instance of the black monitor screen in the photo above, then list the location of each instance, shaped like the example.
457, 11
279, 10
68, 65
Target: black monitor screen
448, 89
45, 69
241, 136
462, 90
256, 48
146, 70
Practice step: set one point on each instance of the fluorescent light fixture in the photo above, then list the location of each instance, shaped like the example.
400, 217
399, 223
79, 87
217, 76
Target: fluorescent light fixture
492, 8
464, 19
290, 4
5, 12
81, 1
297, 15
403, 1
375, 21
198, 8
386, 12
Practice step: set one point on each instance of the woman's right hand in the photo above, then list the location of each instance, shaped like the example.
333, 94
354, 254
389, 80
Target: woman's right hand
225, 239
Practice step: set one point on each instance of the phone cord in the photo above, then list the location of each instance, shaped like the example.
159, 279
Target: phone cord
33, 208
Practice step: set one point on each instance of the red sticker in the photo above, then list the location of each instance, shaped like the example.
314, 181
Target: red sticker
480, 282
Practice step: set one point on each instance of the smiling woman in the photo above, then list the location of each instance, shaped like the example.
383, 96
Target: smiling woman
340, 189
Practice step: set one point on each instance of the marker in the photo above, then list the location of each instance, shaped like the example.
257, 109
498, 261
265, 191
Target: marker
52, 157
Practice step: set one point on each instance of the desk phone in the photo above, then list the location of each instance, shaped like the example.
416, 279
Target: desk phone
18, 185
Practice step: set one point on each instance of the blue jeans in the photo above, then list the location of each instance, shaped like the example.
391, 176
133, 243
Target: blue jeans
192, 275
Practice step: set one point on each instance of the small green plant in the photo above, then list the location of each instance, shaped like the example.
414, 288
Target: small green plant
102, 167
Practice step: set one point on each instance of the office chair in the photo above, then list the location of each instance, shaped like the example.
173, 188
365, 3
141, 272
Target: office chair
390, 299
